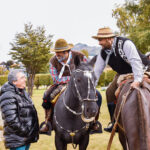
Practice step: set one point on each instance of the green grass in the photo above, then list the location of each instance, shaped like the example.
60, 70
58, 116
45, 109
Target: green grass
97, 141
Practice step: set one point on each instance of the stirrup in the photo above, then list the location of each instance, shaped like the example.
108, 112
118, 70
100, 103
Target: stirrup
109, 127
48, 124
98, 130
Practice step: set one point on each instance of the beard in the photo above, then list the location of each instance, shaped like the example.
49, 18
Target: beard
61, 58
106, 46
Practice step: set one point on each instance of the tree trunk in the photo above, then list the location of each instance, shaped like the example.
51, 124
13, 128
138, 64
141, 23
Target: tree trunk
30, 83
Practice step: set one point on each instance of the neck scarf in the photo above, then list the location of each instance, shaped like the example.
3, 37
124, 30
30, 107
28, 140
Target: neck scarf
64, 65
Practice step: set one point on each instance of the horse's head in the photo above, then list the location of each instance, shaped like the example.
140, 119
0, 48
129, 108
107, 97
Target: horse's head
83, 81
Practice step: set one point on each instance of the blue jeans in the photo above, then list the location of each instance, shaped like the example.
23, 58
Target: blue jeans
25, 147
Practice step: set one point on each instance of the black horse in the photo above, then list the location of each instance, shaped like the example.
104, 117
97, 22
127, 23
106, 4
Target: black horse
76, 108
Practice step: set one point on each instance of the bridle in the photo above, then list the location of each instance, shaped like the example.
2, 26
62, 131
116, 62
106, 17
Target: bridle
82, 100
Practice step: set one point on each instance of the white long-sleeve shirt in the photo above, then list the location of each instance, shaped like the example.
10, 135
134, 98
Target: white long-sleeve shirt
132, 57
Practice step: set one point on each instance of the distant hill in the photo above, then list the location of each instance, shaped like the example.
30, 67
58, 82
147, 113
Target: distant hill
92, 50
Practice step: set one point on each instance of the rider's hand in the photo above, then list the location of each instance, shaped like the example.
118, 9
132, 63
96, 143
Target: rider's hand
135, 84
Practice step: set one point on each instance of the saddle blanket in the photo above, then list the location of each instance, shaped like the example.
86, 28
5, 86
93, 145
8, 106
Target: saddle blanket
123, 79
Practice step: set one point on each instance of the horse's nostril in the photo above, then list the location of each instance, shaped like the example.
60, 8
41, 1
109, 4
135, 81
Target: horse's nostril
91, 112
94, 112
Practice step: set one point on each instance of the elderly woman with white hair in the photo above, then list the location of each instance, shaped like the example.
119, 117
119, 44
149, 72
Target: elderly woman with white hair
21, 126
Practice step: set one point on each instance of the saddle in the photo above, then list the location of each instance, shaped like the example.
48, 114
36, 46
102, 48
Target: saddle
52, 94
124, 78
49, 103
54, 100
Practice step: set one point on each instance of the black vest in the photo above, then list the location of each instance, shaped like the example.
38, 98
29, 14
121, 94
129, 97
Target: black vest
119, 62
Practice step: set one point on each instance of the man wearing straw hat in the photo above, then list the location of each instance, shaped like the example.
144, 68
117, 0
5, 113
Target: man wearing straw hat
61, 66
122, 56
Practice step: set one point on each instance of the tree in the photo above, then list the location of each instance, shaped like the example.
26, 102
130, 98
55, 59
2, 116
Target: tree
31, 48
133, 19
9, 63
45, 69
3, 70
85, 52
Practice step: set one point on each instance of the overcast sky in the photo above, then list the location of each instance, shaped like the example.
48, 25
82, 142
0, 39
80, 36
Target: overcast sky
74, 20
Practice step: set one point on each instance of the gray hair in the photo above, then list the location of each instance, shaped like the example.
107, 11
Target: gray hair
12, 76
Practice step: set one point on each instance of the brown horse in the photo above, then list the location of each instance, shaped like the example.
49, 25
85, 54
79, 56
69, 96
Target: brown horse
134, 120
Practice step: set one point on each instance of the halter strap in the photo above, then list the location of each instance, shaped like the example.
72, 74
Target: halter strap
78, 93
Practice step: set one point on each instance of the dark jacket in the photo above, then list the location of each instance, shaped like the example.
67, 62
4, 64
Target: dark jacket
21, 125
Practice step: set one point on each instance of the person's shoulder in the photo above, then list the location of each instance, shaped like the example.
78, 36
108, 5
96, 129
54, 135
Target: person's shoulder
128, 43
7, 88
53, 58
8, 97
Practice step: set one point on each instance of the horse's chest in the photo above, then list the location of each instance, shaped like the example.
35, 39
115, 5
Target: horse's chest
77, 137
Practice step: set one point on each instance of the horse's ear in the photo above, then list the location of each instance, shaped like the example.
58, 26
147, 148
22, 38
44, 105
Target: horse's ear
77, 61
93, 60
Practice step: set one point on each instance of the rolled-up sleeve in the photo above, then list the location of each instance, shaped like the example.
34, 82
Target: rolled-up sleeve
99, 67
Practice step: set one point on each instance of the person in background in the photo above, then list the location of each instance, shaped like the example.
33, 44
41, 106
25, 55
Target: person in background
61, 66
21, 126
121, 55
148, 56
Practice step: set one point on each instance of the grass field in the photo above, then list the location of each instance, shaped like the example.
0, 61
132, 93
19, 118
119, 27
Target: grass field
97, 141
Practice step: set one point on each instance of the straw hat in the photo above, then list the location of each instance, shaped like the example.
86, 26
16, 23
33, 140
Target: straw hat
147, 54
61, 45
104, 33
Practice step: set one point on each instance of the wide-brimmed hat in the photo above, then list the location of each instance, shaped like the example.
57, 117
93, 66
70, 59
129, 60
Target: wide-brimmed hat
104, 33
147, 54
61, 45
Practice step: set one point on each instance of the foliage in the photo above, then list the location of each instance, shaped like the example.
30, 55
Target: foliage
31, 48
42, 79
3, 71
106, 77
9, 63
109, 76
85, 52
101, 81
133, 19
45, 68
3, 79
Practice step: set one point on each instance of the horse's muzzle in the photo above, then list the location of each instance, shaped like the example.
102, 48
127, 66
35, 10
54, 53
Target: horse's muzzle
89, 111
87, 120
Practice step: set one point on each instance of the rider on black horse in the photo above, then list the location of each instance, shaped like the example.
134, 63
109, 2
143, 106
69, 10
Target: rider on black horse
122, 56
61, 66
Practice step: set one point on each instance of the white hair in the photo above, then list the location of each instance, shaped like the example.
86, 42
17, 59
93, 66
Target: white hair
12, 76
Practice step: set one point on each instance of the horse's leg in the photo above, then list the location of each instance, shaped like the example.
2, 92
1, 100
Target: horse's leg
60, 145
123, 140
84, 142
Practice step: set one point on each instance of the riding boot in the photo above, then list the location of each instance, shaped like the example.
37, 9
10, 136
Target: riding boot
96, 126
46, 127
111, 108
